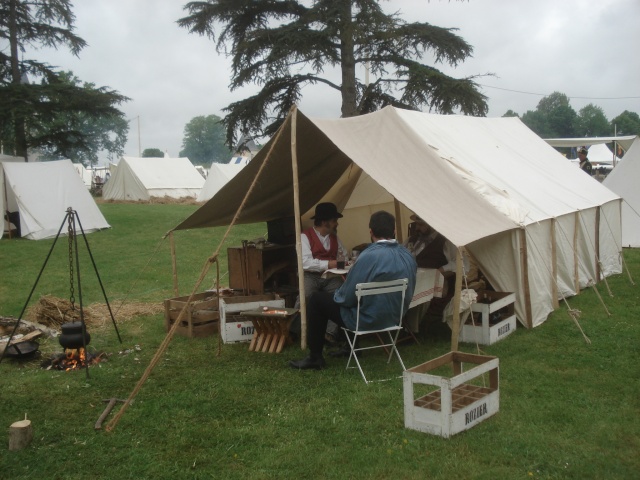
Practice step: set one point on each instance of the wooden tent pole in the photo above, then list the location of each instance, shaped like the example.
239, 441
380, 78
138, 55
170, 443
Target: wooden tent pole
455, 329
576, 276
597, 245
554, 266
296, 216
399, 231
524, 258
174, 264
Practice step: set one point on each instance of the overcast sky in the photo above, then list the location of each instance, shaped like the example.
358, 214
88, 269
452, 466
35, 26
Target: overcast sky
586, 49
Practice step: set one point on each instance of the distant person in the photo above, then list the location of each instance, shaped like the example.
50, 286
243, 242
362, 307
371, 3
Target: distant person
383, 260
585, 164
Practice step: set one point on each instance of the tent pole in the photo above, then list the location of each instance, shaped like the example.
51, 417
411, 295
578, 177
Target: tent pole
399, 231
455, 329
554, 266
597, 244
296, 216
6, 203
576, 278
174, 264
524, 258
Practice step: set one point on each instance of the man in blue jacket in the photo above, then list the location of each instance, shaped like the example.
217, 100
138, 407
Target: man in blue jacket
383, 260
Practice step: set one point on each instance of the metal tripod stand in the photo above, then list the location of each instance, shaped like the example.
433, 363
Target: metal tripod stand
70, 219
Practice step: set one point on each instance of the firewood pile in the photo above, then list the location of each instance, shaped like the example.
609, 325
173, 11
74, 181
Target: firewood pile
53, 312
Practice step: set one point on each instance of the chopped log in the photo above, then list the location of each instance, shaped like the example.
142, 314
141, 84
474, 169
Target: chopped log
20, 435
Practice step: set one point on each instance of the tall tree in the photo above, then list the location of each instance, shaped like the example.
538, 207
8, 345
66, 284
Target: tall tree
152, 153
284, 45
627, 123
592, 122
553, 117
87, 133
203, 141
26, 108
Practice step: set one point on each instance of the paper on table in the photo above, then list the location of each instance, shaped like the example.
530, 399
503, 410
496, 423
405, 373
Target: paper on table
336, 271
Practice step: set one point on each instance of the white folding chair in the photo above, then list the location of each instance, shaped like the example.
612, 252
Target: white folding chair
390, 287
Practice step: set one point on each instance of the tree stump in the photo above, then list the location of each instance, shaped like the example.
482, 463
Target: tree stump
20, 435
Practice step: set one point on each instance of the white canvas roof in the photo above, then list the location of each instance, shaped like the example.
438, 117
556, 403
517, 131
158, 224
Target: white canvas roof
624, 141
218, 176
41, 192
142, 178
623, 180
489, 184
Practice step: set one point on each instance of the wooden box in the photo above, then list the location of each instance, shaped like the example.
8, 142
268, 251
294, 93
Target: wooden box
258, 270
454, 403
199, 320
237, 328
492, 318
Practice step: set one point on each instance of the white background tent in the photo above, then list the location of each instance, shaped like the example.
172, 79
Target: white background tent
623, 180
85, 174
535, 225
41, 192
142, 178
218, 176
600, 153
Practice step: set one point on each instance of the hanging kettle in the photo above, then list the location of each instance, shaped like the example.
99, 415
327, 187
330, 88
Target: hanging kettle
74, 335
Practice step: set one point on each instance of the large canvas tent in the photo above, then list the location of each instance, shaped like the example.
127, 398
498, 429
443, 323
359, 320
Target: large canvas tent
218, 176
140, 179
623, 181
537, 227
41, 192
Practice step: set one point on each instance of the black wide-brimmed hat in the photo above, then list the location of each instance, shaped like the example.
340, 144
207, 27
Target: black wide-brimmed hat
326, 211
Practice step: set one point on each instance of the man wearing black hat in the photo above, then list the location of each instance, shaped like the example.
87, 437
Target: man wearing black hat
385, 259
585, 164
320, 249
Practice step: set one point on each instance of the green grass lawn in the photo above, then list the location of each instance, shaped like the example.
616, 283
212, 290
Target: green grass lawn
568, 409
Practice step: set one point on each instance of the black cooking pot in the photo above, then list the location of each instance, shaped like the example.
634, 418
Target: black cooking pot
72, 335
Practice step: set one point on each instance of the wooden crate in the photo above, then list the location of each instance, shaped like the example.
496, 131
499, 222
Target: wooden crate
235, 327
492, 318
455, 405
199, 320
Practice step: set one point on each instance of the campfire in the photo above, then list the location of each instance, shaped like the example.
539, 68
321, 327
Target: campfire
74, 339
73, 359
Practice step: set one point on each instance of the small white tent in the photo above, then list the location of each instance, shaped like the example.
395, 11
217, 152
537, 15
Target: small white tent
85, 174
41, 192
218, 176
536, 226
623, 180
600, 154
139, 179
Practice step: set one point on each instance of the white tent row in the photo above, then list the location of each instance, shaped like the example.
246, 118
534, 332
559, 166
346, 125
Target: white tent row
140, 179
623, 181
218, 176
536, 226
41, 192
